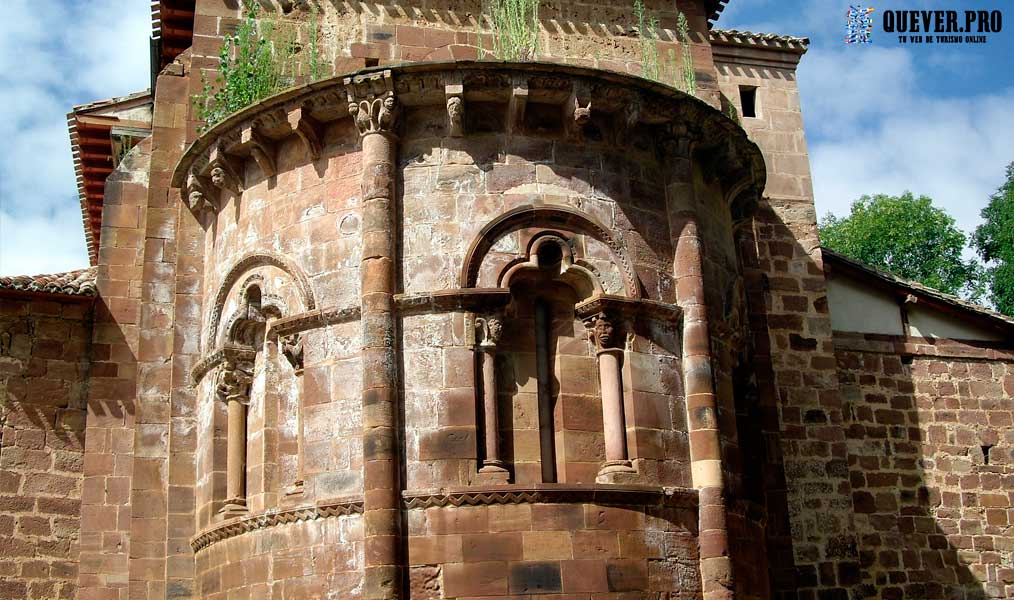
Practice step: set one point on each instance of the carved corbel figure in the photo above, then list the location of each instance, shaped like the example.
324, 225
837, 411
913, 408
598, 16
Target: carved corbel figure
291, 346
198, 197
456, 116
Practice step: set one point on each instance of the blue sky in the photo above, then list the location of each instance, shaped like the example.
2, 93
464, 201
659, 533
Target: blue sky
880, 118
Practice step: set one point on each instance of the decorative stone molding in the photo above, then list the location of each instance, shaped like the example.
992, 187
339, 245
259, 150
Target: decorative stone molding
234, 527
261, 149
629, 308
314, 319
548, 493
467, 299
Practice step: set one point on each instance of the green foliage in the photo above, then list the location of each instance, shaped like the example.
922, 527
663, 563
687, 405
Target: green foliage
681, 70
646, 31
688, 78
260, 59
515, 29
994, 240
909, 237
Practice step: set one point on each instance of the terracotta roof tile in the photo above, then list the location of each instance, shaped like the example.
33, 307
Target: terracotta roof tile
71, 283
759, 40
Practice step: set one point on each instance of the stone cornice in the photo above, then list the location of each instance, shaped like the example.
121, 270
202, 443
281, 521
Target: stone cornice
552, 493
238, 526
629, 307
304, 112
464, 299
313, 319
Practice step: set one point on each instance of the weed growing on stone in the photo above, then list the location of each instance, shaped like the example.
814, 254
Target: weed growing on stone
515, 29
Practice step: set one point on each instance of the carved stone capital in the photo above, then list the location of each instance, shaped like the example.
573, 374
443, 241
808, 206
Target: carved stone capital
234, 378
372, 103
488, 330
677, 140
603, 331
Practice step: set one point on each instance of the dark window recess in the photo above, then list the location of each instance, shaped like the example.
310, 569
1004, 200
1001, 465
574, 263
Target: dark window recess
748, 100
985, 453
372, 62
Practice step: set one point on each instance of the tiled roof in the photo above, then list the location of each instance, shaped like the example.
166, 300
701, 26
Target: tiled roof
71, 283
917, 289
772, 41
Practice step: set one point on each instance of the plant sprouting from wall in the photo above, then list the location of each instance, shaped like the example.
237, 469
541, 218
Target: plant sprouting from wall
261, 58
688, 78
515, 29
647, 32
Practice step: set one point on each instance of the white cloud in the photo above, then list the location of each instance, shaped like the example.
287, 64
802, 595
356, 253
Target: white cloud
54, 55
872, 130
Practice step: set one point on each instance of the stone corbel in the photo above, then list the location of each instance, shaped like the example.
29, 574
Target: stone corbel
199, 197
455, 94
516, 106
261, 149
291, 346
224, 172
308, 129
577, 110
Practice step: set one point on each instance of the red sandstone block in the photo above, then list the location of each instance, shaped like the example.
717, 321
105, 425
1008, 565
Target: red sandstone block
484, 547
435, 549
567, 517
612, 517
475, 579
465, 519
584, 576
596, 544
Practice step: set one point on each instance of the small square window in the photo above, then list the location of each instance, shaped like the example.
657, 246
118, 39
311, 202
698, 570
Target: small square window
748, 100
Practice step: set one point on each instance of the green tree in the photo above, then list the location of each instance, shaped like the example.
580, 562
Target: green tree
994, 240
909, 237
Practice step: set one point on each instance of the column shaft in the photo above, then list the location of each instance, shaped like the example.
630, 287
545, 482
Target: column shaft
612, 405
382, 493
236, 459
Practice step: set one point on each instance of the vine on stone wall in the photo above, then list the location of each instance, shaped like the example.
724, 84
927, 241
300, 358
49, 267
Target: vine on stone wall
515, 29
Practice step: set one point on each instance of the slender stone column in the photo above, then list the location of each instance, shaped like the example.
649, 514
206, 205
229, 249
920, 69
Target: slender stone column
617, 465
487, 331
234, 388
374, 109
291, 347
702, 414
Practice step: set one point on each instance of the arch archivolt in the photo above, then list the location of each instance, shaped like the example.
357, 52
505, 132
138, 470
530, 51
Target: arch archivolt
591, 254
282, 287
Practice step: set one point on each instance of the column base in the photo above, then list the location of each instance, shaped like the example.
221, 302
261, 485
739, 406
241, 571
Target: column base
493, 472
617, 471
234, 507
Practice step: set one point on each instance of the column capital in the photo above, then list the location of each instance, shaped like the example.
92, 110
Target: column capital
234, 379
603, 331
372, 103
488, 330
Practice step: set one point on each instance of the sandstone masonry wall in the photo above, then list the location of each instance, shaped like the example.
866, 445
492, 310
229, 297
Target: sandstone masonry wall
45, 357
930, 426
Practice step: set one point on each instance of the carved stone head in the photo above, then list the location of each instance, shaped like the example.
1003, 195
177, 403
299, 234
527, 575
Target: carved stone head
218, 177
455, 108
603, 331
